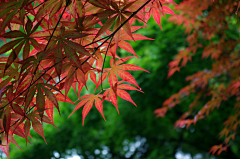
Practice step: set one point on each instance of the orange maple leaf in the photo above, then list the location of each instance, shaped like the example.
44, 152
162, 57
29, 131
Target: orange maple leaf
87, 102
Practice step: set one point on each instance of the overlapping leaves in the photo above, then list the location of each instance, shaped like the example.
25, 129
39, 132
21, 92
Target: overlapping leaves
58, 44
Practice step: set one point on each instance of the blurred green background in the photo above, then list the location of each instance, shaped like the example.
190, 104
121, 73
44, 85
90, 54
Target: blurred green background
136, 133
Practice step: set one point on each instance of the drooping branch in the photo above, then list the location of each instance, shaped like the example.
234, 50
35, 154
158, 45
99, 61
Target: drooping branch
106, 38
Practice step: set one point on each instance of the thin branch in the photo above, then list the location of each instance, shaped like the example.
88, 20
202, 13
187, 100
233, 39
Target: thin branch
36, 6
104, 61
113, 33
51, 35
35, 71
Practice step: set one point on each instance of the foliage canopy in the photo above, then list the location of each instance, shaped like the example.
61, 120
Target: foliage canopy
55, 45
51, 46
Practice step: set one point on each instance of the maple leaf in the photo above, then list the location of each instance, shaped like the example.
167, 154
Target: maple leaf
9, 10
118, 12
87, 102
24, 40
37, 125
118, 90
49, 6
118, 69
73, 73
121, 41
156, 8
7, 121
218, 149
160, 112
27, 127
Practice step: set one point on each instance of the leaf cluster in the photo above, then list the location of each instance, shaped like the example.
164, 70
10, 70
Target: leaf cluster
55, 45
210, 28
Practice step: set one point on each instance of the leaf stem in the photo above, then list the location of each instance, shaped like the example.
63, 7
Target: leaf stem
104, 61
